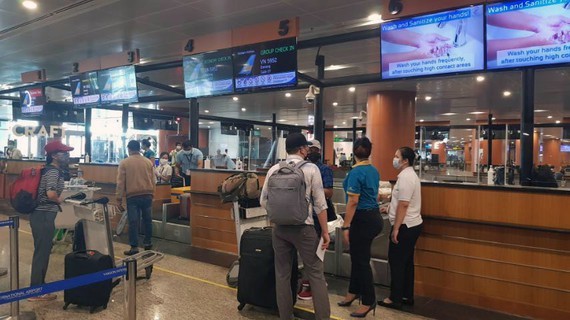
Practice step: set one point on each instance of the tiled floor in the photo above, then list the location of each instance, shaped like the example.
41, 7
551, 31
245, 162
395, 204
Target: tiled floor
182, 287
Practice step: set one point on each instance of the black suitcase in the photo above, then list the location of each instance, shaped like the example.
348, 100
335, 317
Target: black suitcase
94, 295
256, 279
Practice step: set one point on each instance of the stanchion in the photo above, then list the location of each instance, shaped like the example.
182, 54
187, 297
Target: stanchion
130, 289
15, 273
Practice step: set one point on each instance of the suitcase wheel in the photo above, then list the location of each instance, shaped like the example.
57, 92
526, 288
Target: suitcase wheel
148, 272
241, 306
92, 309
66, 305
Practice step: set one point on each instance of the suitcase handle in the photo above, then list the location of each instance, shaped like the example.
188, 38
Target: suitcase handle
83, 254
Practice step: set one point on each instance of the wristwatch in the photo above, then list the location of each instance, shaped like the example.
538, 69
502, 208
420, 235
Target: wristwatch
344, 228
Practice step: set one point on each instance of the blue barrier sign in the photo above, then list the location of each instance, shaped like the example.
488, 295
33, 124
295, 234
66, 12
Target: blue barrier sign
6, 223
21, 294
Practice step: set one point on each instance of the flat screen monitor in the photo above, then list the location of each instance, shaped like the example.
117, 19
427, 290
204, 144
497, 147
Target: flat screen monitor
266, 65
208, 74
527, 33
445, 42
32, 101
565, 148
85, 89
118, 85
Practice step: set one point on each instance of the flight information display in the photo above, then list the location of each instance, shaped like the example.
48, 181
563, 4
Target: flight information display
85, 89
32, 100
266, 65
528, 33
444, 42
208, 74
118, 85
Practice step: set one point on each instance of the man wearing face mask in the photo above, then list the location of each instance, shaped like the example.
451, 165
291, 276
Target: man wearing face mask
327, 176
42, 220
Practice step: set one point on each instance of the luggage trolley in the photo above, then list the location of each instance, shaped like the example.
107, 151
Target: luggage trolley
94, 215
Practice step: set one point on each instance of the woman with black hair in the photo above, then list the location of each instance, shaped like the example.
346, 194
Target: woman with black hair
147, 151
406, 221
362, 223
164, 170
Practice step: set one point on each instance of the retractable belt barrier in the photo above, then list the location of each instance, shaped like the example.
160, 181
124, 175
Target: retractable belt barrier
6, 223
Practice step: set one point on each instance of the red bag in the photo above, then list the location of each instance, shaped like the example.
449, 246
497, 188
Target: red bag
24, 191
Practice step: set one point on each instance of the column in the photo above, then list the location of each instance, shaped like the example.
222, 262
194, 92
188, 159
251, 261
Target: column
194, 129
390, 125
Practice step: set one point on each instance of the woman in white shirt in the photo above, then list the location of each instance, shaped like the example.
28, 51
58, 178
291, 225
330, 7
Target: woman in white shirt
406, 221
164, 170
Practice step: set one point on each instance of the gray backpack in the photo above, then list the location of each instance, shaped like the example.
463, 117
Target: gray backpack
286, 195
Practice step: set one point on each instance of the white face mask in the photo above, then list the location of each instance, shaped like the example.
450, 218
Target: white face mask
396, 163
163, 161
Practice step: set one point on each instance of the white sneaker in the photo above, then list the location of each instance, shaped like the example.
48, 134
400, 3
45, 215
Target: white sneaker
44, 297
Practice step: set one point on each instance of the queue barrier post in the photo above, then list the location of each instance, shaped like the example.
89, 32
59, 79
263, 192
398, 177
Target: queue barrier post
130, 304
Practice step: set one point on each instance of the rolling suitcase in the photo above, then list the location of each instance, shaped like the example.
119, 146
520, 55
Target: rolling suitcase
256, 279
94, 295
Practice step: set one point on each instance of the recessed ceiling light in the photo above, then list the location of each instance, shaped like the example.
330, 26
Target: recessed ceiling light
334, 67
207, 111
335, 104
211, 122
256, 128
200, 123
428, 98
540, 110
208, 127
354, 117
296, 124
558, 121
493, 119
422, 120
549, 117
480, 78
268, 121
344, 122
282, 120
468, 119
449, 114
477, 112
352, 89
30, 4
375, 17
288, 95
243, 109
507, 93
235, 98
335, 127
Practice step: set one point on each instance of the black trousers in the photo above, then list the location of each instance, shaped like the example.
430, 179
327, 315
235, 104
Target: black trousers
401, 260
187, 179
365, 226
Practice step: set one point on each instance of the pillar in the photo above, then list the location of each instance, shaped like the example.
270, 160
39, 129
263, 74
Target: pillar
391, 118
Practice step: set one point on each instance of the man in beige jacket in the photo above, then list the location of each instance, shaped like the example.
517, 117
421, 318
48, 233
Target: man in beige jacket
135, 181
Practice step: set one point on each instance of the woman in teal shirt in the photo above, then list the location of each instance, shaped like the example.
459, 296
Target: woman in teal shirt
362, 223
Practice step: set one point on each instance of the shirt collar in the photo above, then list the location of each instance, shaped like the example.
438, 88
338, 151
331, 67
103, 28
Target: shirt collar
294, 157
402, 172
361, 163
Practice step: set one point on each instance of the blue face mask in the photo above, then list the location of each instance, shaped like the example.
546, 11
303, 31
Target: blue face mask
396, 163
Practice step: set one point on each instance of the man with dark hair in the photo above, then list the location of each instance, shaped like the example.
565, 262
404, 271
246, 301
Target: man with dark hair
139, 190
302, 238
188, 159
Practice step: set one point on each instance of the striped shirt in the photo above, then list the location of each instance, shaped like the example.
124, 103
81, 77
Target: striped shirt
52, 180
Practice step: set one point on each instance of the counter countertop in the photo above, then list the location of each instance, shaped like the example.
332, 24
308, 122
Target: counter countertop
229, 171
516, 188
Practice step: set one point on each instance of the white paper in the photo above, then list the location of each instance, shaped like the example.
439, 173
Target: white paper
320, 251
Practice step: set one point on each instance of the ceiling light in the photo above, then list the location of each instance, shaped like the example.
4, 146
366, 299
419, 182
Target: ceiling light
200, 123
468, 119
335, 104
352, 89
235, 98
207, 111
540, 110
268, 121
549, 117
243, 109
335, 127
282, 120
375, 17
428, 98
480, 78
288, 95
449, 114
422, 120
558, 121
296, 124
211, 122
334, 67
30, 4
355, 118
477, 112
208, 127
256, 128
493, 119
344, 122
507, 93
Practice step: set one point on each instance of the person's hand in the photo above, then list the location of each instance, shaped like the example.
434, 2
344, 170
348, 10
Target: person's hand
553, 30
432, 38
395, 235
384, 210
326, 240
346, 238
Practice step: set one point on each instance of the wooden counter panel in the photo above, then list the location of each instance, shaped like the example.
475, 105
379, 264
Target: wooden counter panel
162, 192
492, 294
213, 223
508, 207
214, 245
100, 174
214, 234
16, 166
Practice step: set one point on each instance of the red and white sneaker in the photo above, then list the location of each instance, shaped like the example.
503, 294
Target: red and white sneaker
305, 293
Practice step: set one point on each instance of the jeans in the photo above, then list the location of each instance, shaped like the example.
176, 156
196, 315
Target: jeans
137, 206
401, 260
43, 228
365, 226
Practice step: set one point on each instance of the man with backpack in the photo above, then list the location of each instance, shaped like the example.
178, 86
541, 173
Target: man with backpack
188, 159
291, 190
42, 219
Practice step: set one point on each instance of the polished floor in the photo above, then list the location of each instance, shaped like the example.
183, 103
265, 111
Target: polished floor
190, 284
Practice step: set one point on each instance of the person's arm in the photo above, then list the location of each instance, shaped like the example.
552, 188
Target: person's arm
403, 37
538, 39
515, 20
263, 196
178, 164
406, 187
52, 177
167, 174
121, 180
327, 176
320, 204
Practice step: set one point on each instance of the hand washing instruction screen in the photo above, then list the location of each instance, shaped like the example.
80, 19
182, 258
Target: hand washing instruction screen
445, 42
266, 65
208, 74
527, 33
118, 85
85, 88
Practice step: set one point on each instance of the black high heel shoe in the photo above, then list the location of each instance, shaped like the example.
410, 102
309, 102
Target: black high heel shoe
348, 303
365, 313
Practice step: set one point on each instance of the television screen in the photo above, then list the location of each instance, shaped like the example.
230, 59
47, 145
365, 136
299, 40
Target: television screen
565, 148
85, 89
208, 74
445, 42
266, 65
527, 33
32, 101
118, 85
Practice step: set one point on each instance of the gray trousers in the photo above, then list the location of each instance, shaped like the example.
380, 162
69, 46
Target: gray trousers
43, 228
303, 238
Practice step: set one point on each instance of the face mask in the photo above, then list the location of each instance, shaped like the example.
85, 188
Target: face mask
178, 148
396, 163
314, 157
163, 161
